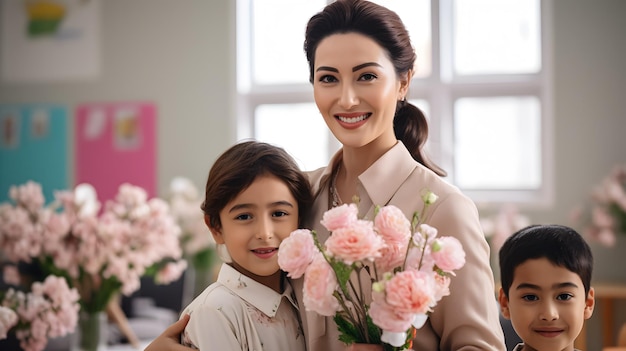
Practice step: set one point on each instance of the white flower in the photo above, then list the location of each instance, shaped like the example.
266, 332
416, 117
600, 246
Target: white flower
86, 200
8, 318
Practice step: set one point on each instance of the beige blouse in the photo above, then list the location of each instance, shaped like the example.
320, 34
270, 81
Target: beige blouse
466, 320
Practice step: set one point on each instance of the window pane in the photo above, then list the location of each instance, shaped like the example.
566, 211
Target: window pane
285, 125
497, 36
277, 40
497, 143
415, 14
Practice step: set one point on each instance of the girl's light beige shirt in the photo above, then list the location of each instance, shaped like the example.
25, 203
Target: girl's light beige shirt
467, 319
238, 313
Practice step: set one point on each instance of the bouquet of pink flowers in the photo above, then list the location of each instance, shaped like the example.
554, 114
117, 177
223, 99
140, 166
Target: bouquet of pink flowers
605, 215
49, 310
100, 253
379, 278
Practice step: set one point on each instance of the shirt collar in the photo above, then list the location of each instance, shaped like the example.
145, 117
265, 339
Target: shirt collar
394, 166
256, 294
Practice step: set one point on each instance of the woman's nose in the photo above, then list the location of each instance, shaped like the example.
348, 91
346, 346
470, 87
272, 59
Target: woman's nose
348, 96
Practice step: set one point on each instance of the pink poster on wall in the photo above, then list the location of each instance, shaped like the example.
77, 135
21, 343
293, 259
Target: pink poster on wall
115, 144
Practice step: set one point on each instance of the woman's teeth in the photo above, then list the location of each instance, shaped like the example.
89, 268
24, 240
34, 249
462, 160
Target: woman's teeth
352, 119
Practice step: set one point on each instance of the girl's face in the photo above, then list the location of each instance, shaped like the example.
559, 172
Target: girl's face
356, 89
547, 305
254, 224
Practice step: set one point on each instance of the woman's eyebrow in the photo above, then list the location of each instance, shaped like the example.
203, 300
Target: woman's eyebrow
366, 64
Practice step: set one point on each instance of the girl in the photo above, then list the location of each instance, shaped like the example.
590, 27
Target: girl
255, 197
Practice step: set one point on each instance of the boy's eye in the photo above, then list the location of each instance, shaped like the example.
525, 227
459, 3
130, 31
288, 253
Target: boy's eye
368, 77
564, 296
530, 298
327, 79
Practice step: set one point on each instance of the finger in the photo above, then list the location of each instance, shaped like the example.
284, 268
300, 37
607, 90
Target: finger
177, 328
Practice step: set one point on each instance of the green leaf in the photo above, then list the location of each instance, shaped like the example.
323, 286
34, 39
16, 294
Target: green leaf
203, 259
342, 271
348, 334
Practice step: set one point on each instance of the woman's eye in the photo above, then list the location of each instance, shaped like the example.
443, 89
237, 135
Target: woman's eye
243, 217
327, 79
564, 296
368, 77
530, 298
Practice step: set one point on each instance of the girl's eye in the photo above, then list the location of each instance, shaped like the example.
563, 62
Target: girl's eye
327, 79
280, 214
564, 296
530, 298
243, 217
368, 77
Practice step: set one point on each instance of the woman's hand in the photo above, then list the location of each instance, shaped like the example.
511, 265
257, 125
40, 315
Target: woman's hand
364, 347
169, 340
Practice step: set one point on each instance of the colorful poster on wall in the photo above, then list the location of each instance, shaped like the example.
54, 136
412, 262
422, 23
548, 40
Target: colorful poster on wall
115, 144
49, 40
33, 146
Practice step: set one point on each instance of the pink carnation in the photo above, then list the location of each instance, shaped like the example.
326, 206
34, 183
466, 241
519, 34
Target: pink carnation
442, 285
391, 256
411, 291
448, 253
392, 225
319, 285
340, 216
387, 317
356, 242
420, 260
296, 253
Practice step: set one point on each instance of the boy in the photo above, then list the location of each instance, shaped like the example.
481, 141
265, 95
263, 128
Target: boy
545, 272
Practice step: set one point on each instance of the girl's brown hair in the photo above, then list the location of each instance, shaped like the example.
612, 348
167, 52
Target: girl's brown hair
237, 168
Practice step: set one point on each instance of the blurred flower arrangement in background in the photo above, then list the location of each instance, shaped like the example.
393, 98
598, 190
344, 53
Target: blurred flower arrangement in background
98, 253
605, 215
196, 240
49, 310
498, 227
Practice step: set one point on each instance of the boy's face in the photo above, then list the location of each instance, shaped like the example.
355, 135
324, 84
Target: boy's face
547, 305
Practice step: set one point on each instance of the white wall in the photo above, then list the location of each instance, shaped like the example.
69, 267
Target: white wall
180, 54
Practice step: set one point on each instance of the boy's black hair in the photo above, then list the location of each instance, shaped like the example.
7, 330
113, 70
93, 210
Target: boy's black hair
561, 245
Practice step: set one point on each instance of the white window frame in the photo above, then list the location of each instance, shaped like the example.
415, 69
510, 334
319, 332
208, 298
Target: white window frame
441, 89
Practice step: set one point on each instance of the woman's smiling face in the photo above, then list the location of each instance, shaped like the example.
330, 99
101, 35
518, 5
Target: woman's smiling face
356, 89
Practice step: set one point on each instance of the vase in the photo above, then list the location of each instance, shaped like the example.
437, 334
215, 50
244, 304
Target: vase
92, 331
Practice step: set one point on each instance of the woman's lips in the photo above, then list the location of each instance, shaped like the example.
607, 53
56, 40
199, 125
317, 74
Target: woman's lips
352, 120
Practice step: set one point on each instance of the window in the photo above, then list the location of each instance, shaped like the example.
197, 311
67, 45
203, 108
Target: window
482, 78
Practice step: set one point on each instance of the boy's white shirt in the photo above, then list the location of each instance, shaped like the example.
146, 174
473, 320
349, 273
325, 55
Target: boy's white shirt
238, 313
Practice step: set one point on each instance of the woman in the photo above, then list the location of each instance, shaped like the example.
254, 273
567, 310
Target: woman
361, 63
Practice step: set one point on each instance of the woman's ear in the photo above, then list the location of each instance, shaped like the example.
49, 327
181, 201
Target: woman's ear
590, 303
216, 232
504, 304
405, 82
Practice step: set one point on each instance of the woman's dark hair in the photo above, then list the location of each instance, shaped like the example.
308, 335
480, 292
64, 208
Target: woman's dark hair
385, 27
561, 245
237, 168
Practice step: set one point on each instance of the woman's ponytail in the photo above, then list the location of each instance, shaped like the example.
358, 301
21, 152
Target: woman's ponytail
411, 127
